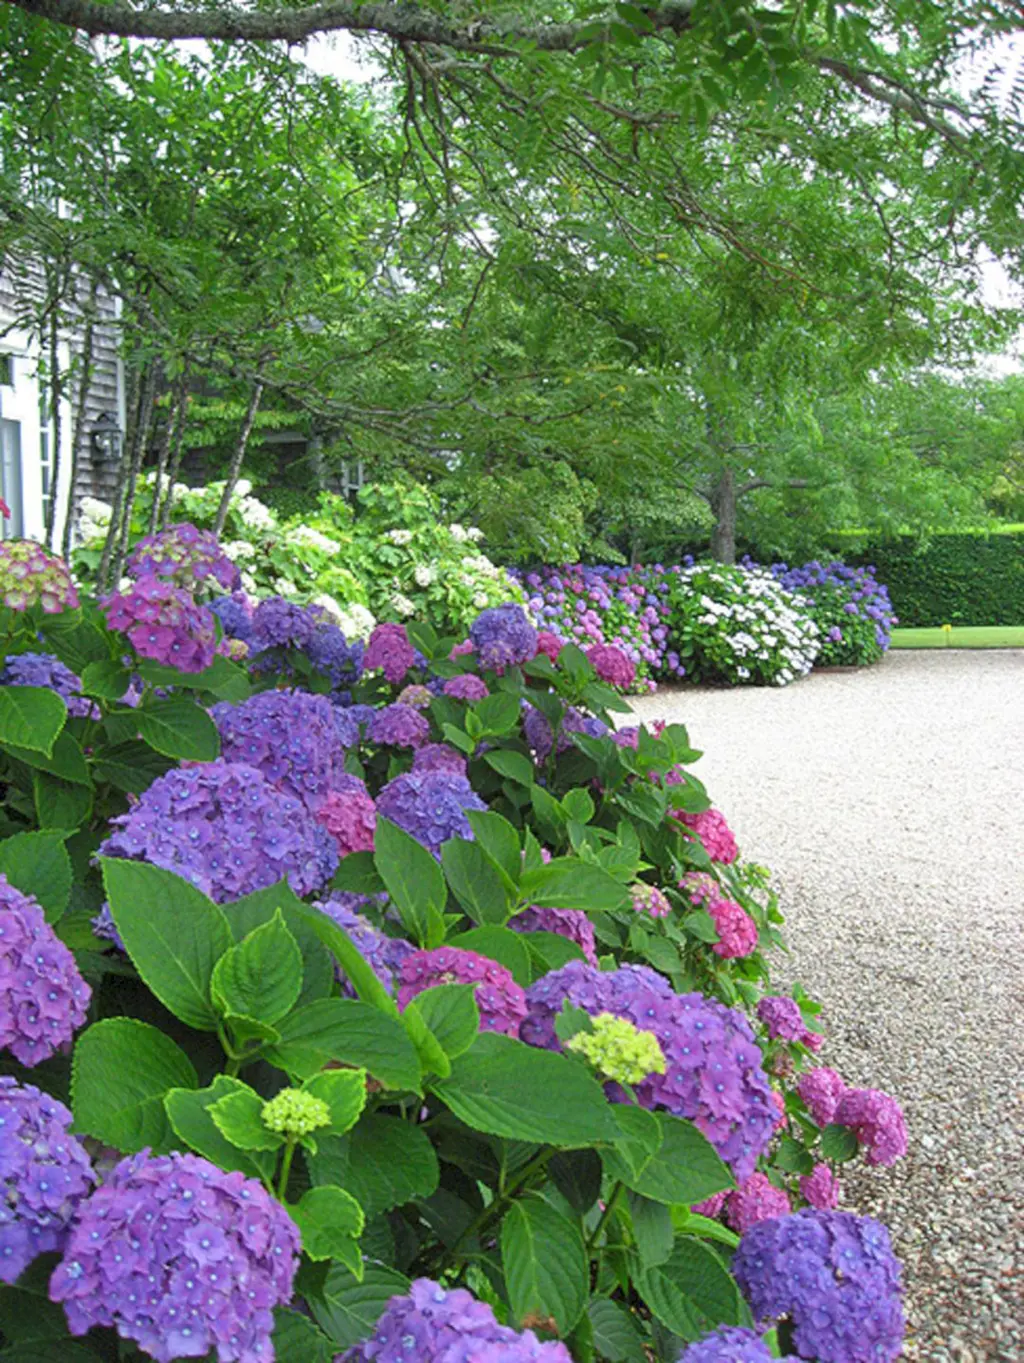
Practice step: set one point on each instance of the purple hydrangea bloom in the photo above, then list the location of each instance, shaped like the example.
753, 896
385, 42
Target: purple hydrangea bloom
877, 1120
430, 805
728, 1344
501, 1001
290, 736
784, 1021
189, 557
44, 1174
385, 954
756, 1199
466, 686
432, 1324
235, 615
439, 757
835, 1278
713, 1075
347, 727
331, 653
390, 651
571, 923
820, 1188
821, 1090
399, 726
43, 998
164, 623
349, 815
503, 637
180, 1257
538, 733
43, 669
278, 623
223, 827
30, 576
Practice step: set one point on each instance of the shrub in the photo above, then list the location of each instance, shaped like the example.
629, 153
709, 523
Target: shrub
850, 607
410, 1065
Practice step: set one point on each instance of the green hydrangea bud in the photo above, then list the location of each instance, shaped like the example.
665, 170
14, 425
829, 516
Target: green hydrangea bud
294, 1113
619, 1050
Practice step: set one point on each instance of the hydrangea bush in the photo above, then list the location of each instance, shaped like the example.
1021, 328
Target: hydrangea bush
850, 607
349, 1014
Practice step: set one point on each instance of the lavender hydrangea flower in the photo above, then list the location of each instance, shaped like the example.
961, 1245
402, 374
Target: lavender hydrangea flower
399, 726
820, 1188
43, 998
164, 623
235, 614
432, 1324
30, 576
44, 1174
439, 757
466, 686
180, 1257
570, 923
501, 1001
821, 1090
190, 558
539, 736
279, 623
43, 669
835, 1278
713, 1073
503, 637
223, 827
290, 736
430, 806
331, 653
384, 954
728, 1344
390, 651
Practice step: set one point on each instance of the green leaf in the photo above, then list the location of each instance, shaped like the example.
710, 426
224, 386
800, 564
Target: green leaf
349, 1032
107, 679
450, 1012
545, 1262
31, 717
701, 925
121, 1070
238, 1116
499, 840
683, 1167
297, 1339
515, 766
352, 962
617, 1337
567, 883
180, 728
577, 1176
357, 874
326, 1215
223, 678
652, 1229
475, 880
262, 976
131, 766
383, 1161
45, 1351
38, 864
348, 1310
499, 944
692, 1291
793, 1157
259, 907
67, 760
507, 1089
172, 932
550, 951
344, 1092
414, 882
498, 713
59, 804
189, 1113
578, 805
838, 1143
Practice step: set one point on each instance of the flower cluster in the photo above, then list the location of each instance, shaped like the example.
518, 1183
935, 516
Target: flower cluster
820, 1090
390, 652
713, 1075
43, 669
433, 1324
501, 1001
833, 1276
43, 998
783, 1021
572, 924
756, 1199
820, 1188
180, 1257
44, 1175
503, 637
729, 1344
349, 815
223, 827
439, 757
877, 1121
466, 686
30, 576
619, 1050
737, 931
399, 726
291, 1112
418, 695
612, 665
331, 654
383, 953
289, 736
235, 614
277, 623
715, 835
190, 558
540, 738
163, 623
430, 806
649, 899
850, 606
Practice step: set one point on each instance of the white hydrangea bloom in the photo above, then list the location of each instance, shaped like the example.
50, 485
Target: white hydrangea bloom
475, 534
285, 588
243, 487
95, 510
356, 622
257, 515
480, 601
458, 533
402, 604
400, 536
239, 549
424, 574
313, 539
249, 582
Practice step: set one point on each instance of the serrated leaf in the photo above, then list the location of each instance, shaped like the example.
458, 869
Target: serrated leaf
344, 1092
327, 1218
838, 1143
31, 717
179, 728
545, 1262
383, 1161
238, 1118
451, 1014
189, 1114
348, 1309
37, 864
350, 1032
261, 977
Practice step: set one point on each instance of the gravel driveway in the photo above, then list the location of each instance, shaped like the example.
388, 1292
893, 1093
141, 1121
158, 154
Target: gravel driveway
890, 804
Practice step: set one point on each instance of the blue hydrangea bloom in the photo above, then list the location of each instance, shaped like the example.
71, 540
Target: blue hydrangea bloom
730, 1344
235, 615
290, 736
399, 726
503, 637
430, 805
331, 653
43, 669
385, 954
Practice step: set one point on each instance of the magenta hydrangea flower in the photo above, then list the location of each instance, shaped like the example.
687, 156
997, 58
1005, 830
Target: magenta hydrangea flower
501, 1001
729, 1344
649, 899
784, 1021
756, 1199
349, 815
627, 737
820, 1091
390, 651
503, 637
713, 1074
43, 669
612, 665
820, 1188
714, 833
290, 736
570, 923
430, 805
833, 1276
163, 623
190, 558
711, 1206
439, 757
417, 696
222, 826
399, 726
549, 644
433, 1324
877, 1120
737, 931
44, 1175
180, 1257
43, 998
466, 686
30, 576
383, 953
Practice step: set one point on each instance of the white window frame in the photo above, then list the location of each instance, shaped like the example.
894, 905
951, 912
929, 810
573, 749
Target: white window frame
20, 403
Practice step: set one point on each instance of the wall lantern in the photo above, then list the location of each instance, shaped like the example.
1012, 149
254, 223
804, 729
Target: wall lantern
106, 438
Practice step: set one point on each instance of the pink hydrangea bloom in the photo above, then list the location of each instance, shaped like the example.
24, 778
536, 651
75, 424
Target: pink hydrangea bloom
711, 1206
820, 1188
570, 923
350, 817
780, 1103
501, 1001
737, 931
461, 650
612, 665
878, 1122
549, 644
650, 900
821, 1090
164, 623
755, 1200
700, 888
714, 833
390, 651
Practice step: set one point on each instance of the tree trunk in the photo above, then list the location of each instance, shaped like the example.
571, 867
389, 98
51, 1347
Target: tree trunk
174, 467
78, 420
140, 440
238, 456
56, 392
723, 504
168, 440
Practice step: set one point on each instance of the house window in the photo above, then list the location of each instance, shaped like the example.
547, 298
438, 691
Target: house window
13, 527
45, 456
353, 477
6, 371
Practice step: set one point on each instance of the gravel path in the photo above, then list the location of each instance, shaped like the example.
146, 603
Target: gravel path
890, 804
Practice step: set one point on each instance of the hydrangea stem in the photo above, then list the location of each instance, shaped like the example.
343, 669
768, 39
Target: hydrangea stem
606, 1215
286, 1168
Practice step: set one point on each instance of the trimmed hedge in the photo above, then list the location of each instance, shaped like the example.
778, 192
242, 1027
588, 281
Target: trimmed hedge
972, 578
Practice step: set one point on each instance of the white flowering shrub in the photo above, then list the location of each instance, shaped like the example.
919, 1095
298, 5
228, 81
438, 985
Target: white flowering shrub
739, 626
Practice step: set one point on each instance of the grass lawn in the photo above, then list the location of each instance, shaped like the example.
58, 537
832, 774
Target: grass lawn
961, 636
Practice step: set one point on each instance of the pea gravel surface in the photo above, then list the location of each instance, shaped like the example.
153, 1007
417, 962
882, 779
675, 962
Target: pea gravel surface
889, 802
